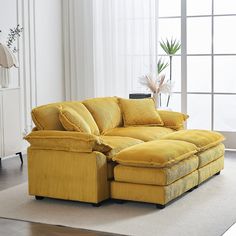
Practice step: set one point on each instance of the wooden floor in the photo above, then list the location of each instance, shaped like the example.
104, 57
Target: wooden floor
13, 173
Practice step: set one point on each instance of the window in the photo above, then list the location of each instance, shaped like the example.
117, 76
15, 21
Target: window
208, 61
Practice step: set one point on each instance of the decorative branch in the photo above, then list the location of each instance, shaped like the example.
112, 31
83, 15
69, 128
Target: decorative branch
13, 35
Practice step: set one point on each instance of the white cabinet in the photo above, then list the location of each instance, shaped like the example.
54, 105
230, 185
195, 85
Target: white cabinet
10, 122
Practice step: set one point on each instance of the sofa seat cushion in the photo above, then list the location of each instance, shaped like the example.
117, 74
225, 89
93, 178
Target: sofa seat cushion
143, 133
105, 111
158, 153
211, 154
139, 112
46, 117
117, 144
155, 176
203, 139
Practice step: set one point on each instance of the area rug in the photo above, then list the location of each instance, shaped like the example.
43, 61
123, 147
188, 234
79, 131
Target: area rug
209, 210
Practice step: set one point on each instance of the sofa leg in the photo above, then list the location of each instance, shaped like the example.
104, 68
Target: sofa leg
160, 206
191, 189
119, 201
218, 173
39, 197
96, 204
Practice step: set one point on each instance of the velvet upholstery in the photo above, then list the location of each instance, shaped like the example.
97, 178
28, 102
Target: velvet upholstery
172, 119
68, 175
153, 193
203, 139
211, 154
210, 169
46, 117
117, 144
66, 141
139, 112
73, 121
155, 176
159, 153
105, 111
143, 133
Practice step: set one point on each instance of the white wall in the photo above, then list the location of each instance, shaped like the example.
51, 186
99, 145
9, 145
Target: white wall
41, 64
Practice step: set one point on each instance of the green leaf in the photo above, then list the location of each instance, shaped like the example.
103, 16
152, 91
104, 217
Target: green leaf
161, 65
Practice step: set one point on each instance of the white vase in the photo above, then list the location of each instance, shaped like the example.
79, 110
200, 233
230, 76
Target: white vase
156, 98
4, 77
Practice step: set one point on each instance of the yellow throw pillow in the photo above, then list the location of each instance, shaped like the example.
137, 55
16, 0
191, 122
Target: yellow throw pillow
172, 119
139, 112
72, 121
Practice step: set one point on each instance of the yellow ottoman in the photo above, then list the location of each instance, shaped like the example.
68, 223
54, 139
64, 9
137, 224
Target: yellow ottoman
155, 172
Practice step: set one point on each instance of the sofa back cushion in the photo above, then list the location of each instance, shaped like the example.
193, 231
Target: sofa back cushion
140, 112
105, 111
47, 117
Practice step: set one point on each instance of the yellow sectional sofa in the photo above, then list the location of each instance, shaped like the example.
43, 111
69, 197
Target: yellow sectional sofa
117, 148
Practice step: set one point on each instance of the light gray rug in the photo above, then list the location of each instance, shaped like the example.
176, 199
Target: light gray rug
209, 210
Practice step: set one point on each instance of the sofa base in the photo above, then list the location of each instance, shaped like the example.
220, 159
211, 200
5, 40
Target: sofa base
68, 175
153, 193
161, 195
211, 169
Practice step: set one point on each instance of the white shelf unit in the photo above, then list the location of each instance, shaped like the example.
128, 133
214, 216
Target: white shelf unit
10, 122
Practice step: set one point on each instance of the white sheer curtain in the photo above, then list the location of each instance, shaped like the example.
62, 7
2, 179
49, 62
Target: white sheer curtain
124, 45
108, 45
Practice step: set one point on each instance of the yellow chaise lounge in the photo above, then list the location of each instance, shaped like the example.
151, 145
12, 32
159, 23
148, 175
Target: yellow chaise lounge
117, 148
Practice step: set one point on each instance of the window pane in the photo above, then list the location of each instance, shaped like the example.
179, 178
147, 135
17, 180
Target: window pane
199, 73
224, 7
199, 35
224, 112
224, 34
199, 7
167, 29
176, 72
175, 102
169, 7
199, 111
225, 79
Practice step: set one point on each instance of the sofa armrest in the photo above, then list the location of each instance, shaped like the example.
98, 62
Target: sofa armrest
66, 141
172, 119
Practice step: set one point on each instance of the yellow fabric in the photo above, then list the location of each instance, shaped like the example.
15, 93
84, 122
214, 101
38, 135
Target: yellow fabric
47, 117
153, 193
66, 141
105, 111
159, 153
143, 133
117, 144
72, 121
172, 119
68, 175
139, 112
211, 154
155, 176
211, 169
203, 139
